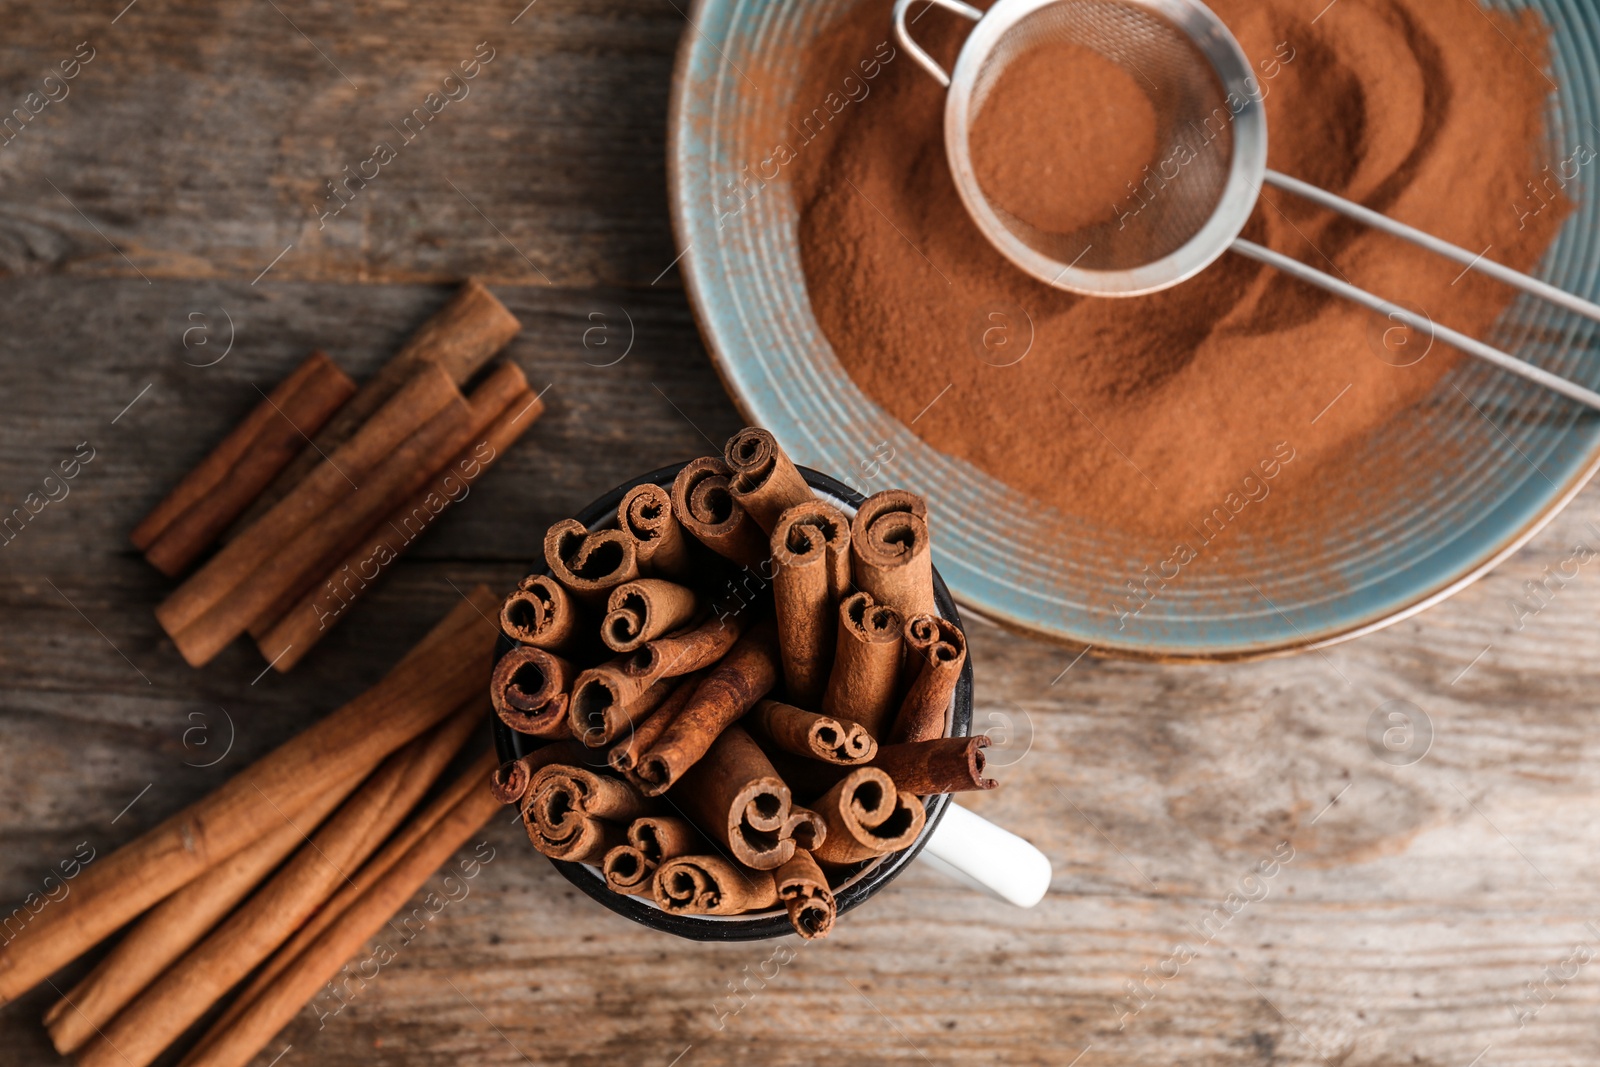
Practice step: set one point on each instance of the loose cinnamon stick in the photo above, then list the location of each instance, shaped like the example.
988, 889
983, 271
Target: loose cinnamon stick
710, 885
803, 888
573, 813
805, 733
459, 338
734, 795
703, 504
889, 546
727, 691
322, 605
867, 817
624, 755
191, 517
235, 1044
811, 575
588, 564
433, 679
159, 1015
171, 928
541, 613
645, 514
206, 612
530, 689
644, 609
631, 868
866, 665
765, 481
940, 765
927, 703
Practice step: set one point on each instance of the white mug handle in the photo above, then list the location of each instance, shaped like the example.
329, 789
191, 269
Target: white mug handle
971, 849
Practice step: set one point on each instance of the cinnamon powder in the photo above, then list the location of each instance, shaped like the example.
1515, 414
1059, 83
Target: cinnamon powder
1144, 412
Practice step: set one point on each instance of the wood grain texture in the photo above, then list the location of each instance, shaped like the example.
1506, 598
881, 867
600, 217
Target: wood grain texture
1406, 929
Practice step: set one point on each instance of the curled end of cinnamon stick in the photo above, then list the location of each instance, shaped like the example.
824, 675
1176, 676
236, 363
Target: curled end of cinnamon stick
803, 889
539, 613
529, 691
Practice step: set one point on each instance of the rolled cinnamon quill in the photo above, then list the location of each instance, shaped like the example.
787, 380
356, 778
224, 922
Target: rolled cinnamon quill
459, 338
889, 547
803, 889
187, 990
248, 1032
529, 689
811, 575
734, 795
805, 733
645, 514
433, 679
575, 814
728, 690
601, 720
703, 504
710, 885
867, 817
191, 517
688, 650
494, 428
644, 609
866, 665
938, 669
631, 868
625, 752
208, 610
541, 613
940, 765
588, 564
171, 928
765, 481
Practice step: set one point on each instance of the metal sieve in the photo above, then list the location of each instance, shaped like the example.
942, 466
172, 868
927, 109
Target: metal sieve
1196, 198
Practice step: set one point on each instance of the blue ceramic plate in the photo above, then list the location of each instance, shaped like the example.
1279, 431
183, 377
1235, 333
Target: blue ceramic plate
1521, 453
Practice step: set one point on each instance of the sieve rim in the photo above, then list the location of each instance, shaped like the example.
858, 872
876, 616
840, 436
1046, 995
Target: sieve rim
1246, 170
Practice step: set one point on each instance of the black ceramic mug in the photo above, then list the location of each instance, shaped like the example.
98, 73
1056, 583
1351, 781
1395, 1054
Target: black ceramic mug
984, 854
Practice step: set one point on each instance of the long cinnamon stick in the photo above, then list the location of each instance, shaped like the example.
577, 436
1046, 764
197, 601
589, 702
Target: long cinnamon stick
219, 489
734, 795
159, 1015
235, 1044
574, 814
703, 504
645, 514
805, 733
728, 690
459, 338
889, 546
811, 575
323, 604
867, 817
204, 613
644, 609
866, 666
803, 889
765, 481
938, 669
530, 689
939, 765
441, 672
175, 925
710, 885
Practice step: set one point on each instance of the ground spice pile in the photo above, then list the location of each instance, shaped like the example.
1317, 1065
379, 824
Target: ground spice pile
1428, 110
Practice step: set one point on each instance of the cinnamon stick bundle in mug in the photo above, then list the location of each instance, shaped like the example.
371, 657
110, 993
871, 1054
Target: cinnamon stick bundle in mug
811, 575
219, 489
764, 480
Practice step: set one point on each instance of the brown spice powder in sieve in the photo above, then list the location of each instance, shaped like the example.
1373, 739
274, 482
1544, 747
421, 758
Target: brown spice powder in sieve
1428, 110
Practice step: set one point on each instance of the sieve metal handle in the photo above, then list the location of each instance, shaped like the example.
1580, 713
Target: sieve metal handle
1421, 323
1476, 261
903, 35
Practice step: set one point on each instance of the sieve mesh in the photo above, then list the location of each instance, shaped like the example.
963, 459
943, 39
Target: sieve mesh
1182, 186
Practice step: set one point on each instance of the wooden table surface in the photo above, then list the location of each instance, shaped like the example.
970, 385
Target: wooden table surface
1438, 910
